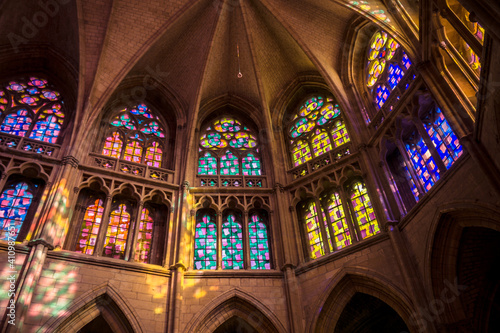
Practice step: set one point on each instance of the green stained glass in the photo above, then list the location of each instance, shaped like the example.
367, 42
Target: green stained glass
205, 243
251, 165
259, 243
232, 243
207, 165
229, 164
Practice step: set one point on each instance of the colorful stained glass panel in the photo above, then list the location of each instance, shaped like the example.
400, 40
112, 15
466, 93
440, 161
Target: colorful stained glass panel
117, 233
259, 243
15, 202
205, 243
363, 211
89, 230
232, 244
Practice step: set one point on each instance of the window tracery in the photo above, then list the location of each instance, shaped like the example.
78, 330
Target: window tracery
315, 128
136, 135
234, 245
386, 66
329, 228
229, 148
15, 204
31, 108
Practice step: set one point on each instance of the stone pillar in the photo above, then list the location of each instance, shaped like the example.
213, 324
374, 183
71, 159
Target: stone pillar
410, 274
27, 283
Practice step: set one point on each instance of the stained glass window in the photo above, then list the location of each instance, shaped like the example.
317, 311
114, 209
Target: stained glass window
422, 160
339, 134
205, 243
314, 235
207, 165
443, 137
133, 152
227, 132
89, 230
315, 128
153, 155
117, 233
144, 237
23, 102
137, 135
113, 145
232, 242
321, 143
259, 242
15, 202
387, 64
341, 234
363, 210
229, 164
251, 165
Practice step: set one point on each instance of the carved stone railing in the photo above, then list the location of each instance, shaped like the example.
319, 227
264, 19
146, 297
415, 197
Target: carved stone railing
14, 142
132, 168
232, 181
319, 162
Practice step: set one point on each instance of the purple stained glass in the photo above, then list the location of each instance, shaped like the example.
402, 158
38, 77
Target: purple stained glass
41, 105
15, 202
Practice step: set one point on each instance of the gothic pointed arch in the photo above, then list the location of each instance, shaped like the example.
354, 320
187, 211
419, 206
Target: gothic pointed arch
105, 301
467, 290
235, 303
349, 281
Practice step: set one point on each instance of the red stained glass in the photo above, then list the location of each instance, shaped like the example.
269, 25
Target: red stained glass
90, 228
117, 233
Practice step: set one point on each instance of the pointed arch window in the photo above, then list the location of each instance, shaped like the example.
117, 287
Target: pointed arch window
136, 135
232, 146
205, 243
443, 137
363, 210
337, 220
229, 164
15, 204
314, 234
117, 233
386, 66
92, 219
316, 128
232, 241
259, 241
422, 160
31, 108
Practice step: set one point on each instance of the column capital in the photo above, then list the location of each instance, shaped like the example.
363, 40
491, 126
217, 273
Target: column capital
42, 242
391, 225
71, 160
178, 265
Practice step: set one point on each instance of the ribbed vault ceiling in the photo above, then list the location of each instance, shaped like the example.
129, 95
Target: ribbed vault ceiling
190, 46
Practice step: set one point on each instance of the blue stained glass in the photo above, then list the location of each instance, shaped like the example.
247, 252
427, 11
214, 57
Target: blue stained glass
444, 139
406, 61
381, 95
395, 75
15, 202
16, 123
46, 129
423, 163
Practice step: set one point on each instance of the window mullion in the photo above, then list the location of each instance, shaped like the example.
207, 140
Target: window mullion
329, 224
411, 168
219, 240
103, 228
246, 240
349, 215
428, 142
132, 241
321, 221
